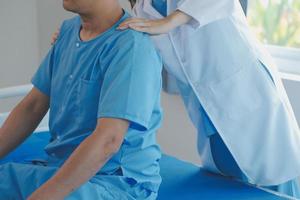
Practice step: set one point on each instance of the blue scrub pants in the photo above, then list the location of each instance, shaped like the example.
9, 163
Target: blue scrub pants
19, 180
21, 173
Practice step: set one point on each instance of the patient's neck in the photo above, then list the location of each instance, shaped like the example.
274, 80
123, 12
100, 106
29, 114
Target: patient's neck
102, 17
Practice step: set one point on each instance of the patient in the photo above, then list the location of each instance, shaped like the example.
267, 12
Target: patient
103, 90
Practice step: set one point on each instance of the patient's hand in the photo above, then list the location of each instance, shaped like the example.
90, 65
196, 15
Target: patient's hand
159, 26
54, 37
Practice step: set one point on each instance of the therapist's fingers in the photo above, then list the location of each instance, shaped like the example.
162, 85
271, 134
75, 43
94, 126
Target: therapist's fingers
140, 28
126, 23
132, 20
152, 27
140, 24
55, 37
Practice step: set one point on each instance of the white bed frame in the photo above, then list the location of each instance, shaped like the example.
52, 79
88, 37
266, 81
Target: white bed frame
20, 91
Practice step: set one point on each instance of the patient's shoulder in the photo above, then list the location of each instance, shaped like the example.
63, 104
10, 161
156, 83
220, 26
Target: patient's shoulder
134, 36
131, 47
71, 22
136, 40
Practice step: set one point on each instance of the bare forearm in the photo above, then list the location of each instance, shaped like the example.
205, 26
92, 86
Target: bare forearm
83, 164
178, 18
24, 118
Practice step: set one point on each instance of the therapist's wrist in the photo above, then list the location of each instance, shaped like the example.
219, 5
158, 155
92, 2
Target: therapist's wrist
178, 18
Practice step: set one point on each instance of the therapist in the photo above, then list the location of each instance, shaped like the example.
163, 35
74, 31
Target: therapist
230, 86
103, 90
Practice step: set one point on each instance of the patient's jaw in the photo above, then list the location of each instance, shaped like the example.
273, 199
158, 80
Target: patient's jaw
78, 6
96, 15
88, 7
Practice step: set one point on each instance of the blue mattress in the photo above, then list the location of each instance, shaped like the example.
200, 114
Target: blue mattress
181, 180
185, 181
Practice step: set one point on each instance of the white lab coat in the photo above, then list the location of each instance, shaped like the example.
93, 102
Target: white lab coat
217, 56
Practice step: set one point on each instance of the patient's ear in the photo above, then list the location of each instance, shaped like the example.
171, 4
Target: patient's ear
132, 3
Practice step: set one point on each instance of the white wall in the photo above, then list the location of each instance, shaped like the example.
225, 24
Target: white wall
18, 44
51, 14
26, 28
293, 90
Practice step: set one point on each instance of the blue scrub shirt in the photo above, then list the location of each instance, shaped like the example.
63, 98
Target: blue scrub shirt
115, 75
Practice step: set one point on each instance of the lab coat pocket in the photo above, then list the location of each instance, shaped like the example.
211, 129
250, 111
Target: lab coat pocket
238, 95
88, 97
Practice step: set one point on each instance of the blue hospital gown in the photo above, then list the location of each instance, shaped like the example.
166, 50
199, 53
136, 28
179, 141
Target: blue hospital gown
115, 75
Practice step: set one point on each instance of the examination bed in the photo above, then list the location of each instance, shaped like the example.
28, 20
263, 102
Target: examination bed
181, 180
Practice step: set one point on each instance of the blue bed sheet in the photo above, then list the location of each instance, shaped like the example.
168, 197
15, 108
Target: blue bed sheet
181, 180
185, 181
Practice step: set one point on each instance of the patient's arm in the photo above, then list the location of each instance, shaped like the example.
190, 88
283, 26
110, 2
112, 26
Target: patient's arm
85, 161
22, 121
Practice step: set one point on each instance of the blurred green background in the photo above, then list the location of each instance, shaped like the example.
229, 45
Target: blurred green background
276, 22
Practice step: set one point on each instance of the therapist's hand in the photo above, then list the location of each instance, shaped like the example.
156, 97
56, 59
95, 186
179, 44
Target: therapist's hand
153, 27
159, 26
54, 37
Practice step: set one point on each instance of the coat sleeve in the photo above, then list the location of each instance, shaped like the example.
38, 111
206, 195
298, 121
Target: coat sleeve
204, 12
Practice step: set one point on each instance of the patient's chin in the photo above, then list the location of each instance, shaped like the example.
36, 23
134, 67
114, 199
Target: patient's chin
68, 6
70, 9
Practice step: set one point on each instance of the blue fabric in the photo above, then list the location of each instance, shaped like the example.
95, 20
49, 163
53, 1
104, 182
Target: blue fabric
115, 75
183, 180
25, 154
223, 158
160, 6
17, 184
19, 168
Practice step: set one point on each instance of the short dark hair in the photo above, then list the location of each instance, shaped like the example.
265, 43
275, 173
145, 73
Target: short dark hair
132, 2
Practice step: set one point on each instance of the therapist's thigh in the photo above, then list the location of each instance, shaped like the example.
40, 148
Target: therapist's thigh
18, 181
